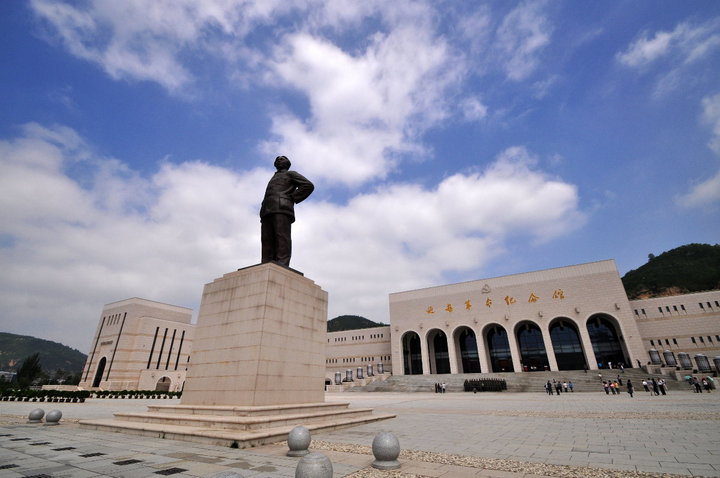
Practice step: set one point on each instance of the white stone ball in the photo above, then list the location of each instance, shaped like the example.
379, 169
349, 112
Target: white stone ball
53, 417
36, 415
386, 447
298, 441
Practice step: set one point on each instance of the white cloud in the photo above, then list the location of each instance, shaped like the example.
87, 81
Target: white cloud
687, 43
711, 116
67, 249
520, 38
365, 108
702, 194
707, 192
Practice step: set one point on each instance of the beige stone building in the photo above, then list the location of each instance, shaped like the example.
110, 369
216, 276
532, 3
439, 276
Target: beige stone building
565, 318
557, 319
353, 349
683, 324
140, 345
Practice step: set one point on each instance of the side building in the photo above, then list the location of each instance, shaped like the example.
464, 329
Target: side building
680, 330
140, 345
366, 349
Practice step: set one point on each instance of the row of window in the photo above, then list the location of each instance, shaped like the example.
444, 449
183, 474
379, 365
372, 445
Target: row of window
113, 319
358, 359
703, 306
700, 338
357, 337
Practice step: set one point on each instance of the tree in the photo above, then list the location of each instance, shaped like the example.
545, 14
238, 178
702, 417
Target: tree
29, 370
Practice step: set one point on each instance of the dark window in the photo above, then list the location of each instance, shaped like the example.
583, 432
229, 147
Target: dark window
652, 343
675, 341
693, 340
701, 305
660, 310
675, 308
682, 306
701, 339
667, 342
709, 339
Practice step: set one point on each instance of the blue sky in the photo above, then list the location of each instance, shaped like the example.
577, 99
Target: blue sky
448, 141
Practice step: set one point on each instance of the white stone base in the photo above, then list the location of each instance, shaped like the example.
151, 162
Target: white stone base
260, 340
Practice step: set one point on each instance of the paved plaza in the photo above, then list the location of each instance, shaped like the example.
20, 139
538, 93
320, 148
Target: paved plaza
450, 435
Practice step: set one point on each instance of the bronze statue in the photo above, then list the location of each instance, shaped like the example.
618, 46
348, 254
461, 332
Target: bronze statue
285, 189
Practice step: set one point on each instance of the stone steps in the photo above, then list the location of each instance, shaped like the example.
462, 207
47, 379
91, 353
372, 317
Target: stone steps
517, 382
239, 427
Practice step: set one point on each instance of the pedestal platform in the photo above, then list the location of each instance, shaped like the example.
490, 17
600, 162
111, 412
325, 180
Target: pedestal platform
260, 340
257, 368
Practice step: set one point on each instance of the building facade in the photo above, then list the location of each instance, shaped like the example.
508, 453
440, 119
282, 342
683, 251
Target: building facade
681, 330
140, 345
566, 318
353, 349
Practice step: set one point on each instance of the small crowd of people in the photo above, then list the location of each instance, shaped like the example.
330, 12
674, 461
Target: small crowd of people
655, 386
440, 387
699, 385
559, 387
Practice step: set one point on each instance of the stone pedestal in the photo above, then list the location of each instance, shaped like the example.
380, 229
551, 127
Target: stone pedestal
260, 340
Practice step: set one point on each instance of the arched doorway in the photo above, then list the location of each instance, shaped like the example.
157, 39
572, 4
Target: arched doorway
567, 345
532, 347
466, 343
499, 349
163, 385
99, 372
412, 354
606, 340
438, 350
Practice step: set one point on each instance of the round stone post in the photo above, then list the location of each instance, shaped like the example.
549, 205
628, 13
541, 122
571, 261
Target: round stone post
298, 441
338, 378
36, 415
386, 449
53, 417
655, 357
360, 373
314, 465
348, 376
370, 370
381, 369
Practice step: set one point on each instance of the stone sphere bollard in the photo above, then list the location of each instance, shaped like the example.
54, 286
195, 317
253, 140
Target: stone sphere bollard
298, 441
53, 417
386, 449
314, 465
36, 415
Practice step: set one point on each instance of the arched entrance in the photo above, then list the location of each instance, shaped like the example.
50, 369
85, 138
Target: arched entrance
567, 345
499, 349
466, 343
163, 385
606, 340
99, 372
412, 354
438, 350
532, 347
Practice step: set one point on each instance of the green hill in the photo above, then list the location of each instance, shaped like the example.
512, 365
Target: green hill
53, 356
350, 322
689, 268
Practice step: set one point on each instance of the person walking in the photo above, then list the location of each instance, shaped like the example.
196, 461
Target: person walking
571, 386
630, 388
645, 385
606, 387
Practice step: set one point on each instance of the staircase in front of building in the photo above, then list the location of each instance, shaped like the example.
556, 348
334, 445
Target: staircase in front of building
520, 382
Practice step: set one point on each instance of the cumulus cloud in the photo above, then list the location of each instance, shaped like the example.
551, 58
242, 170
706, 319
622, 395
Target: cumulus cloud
67, 249
687, 42
708, 191
523, 33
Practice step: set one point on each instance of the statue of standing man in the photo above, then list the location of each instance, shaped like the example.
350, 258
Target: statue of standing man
285, 189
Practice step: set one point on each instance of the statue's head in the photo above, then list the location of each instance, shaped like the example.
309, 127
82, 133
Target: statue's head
281, 162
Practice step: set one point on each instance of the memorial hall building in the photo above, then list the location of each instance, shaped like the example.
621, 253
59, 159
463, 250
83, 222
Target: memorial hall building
567, 318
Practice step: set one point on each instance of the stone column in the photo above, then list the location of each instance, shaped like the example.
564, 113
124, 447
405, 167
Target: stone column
549, 349
260, 340
514, 350
482, 353
424, 353
452, 354
587, 347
